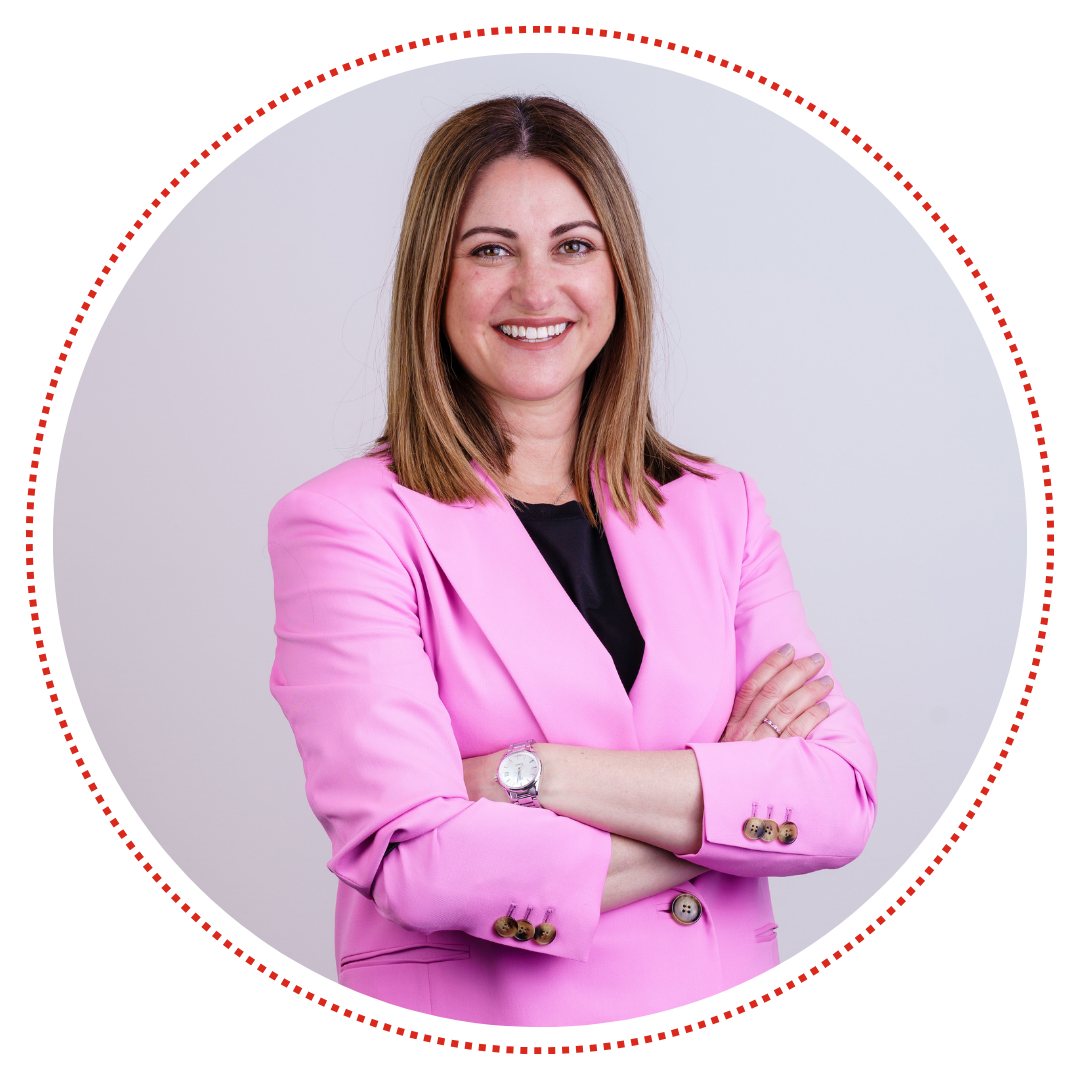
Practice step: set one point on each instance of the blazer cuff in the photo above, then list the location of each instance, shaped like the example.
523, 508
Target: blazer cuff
472, 869
785, 780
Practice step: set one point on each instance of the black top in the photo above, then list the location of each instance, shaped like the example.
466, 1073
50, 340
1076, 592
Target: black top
580, 558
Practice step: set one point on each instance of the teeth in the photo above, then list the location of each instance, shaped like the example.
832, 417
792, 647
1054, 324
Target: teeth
533, 333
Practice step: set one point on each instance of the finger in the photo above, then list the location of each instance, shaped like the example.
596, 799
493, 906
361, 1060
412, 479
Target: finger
773, 663
779, 687
746, 720
795, 704
765, 730
805, 723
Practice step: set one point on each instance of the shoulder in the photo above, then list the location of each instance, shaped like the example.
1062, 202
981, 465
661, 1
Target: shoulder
724, 499
719, 487
363, 488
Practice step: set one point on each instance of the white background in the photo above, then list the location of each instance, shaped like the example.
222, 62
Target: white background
105, 103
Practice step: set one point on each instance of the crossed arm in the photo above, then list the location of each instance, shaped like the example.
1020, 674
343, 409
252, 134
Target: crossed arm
354, 679
651, 801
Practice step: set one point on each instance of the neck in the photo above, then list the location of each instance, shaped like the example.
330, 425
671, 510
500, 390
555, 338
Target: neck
545, 436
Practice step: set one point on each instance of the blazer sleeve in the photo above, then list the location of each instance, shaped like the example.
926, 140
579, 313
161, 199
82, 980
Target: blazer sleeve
381, 763
824, 783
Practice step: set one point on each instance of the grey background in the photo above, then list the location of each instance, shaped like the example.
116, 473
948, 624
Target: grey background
810, 338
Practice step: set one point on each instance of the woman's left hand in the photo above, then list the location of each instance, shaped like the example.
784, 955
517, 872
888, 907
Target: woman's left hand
778, 701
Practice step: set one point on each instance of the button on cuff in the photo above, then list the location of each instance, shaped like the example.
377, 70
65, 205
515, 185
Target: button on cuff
505, 926
753, 828
544, 934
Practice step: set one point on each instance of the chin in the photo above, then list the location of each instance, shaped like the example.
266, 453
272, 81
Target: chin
534, 392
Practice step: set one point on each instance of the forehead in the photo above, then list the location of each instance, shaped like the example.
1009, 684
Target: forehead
515, 192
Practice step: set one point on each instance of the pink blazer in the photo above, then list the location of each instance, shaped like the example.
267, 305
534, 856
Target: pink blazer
411, 634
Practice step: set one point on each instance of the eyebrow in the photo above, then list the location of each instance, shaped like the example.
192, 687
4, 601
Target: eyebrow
575, 225
509, 234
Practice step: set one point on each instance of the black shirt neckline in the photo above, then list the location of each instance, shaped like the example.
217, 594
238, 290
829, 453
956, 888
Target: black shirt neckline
548, 511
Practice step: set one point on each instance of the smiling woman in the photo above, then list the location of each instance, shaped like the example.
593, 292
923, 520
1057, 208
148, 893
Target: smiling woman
514, 692
527, 314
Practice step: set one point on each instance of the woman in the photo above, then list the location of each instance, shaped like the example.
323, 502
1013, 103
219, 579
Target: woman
533, 654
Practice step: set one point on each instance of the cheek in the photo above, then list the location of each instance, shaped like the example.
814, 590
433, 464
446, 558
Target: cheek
596, 297
462, 312
470, 298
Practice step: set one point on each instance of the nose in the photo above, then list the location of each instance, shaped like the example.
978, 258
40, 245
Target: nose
535, 287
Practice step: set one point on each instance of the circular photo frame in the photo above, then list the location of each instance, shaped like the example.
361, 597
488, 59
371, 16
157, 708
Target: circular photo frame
956, 381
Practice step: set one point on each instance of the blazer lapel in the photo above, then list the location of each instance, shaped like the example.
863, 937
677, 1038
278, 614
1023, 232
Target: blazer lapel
671, 576
563, 671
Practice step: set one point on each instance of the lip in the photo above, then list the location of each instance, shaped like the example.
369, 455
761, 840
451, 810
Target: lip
535, 323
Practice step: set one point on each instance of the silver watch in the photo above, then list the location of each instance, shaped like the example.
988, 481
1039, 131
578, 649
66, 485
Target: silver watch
518, 774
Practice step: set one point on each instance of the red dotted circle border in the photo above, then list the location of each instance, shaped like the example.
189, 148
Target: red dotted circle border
691, 54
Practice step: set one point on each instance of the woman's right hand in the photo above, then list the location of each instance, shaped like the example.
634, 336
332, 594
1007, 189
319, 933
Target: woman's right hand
779, 691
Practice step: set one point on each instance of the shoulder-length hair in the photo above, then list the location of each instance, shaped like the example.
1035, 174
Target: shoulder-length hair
439, 420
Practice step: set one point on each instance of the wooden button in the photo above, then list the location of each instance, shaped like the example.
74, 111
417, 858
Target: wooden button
505, 926
772, 830
544, 934
753, 828
789, 833
686, 909
524, 931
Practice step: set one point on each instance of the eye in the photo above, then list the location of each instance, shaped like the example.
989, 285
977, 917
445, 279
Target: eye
576, 247
490, 251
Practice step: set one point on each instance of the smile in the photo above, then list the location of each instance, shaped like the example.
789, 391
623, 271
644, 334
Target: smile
534, 333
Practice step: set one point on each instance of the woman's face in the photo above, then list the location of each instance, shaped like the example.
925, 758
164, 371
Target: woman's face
531, 297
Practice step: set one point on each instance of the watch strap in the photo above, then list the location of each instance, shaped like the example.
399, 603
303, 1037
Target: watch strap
524, 798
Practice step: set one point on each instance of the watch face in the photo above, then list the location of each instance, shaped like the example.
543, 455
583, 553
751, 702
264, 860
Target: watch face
518, 770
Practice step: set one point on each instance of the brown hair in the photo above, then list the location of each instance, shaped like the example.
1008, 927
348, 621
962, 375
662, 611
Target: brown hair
438, 419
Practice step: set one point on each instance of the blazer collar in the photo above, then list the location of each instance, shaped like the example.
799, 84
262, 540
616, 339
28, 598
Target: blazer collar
670, 574
563, 671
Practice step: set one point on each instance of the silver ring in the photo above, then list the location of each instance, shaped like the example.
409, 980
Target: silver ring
766, 720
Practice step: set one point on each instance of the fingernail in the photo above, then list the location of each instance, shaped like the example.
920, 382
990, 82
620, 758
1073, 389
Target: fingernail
826, 681
785, 650
827, 709
817, 658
